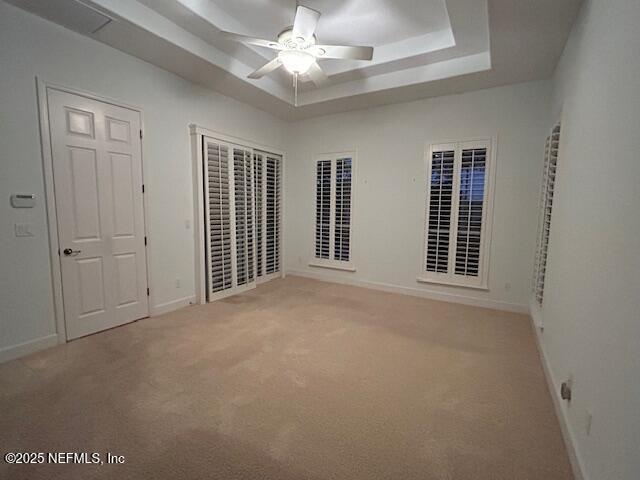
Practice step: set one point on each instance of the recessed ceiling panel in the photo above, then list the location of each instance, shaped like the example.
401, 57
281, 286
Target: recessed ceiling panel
362, 22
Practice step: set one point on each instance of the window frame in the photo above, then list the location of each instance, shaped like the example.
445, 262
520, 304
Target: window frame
480, 282
331, 263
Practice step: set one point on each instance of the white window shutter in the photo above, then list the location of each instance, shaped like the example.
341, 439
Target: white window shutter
457, 207
439, 209
546, 207
334, 205
471, 200
342, 230
323, 208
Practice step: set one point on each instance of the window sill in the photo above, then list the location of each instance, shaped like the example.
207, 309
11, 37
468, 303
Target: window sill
452, 284
332, 266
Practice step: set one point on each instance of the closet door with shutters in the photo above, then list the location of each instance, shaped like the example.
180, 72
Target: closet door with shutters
229, 223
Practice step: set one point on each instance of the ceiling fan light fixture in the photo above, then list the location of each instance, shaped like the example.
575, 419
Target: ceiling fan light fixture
296, 61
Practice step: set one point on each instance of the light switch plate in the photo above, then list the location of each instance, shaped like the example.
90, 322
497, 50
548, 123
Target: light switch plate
23, 230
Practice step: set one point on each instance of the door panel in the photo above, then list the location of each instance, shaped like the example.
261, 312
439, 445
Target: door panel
97, 168
91, 286
123, 195
267, 214
229, 224
83, 170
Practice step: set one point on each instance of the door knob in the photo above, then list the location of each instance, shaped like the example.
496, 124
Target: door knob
68, 251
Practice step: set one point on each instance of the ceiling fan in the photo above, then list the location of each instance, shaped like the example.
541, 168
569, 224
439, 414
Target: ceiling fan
298, 50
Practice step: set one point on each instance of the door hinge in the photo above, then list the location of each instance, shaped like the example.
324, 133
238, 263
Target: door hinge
147, 291
143, 188
145, 240
140, 133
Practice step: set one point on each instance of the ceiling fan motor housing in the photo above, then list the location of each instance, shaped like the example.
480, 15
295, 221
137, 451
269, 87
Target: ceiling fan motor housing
287, 39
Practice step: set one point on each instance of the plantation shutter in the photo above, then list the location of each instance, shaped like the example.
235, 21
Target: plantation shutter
268, 209
456, 212
470, 209
272, 236
258, 170
546, 207
323, 208
342, 229
439, 208
218, 213
229, 218
243, 184
334, 203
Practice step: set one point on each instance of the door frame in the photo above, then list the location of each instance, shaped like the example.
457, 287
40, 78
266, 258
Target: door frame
197, 132
50, 198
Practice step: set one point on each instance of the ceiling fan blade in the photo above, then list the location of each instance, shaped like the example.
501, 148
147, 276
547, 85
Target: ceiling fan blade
343, 51
266, 69
251, 40
317, 75
305, 22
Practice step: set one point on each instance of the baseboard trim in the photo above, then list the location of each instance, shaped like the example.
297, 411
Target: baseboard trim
26, 348
567, 433
173, 305
414, 292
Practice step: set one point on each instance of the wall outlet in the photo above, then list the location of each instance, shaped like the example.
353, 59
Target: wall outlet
177, 283
507, 286
187, 224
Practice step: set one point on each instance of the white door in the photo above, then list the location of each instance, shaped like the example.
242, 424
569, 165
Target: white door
97, 169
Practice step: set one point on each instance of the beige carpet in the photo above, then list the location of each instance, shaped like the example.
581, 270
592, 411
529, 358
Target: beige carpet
295, 380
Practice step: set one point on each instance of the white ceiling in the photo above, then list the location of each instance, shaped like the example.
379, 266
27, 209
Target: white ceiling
422, 47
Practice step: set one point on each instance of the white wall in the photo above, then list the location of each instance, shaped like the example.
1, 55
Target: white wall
30, 46
591, 310
388, 215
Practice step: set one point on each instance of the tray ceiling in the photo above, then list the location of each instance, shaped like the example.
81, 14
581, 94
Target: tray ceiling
422, 47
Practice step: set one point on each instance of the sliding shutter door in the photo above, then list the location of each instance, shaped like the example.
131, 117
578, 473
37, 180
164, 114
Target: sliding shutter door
229, 218
272, 224
258, 169
243, 196
268, 213
218, 217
